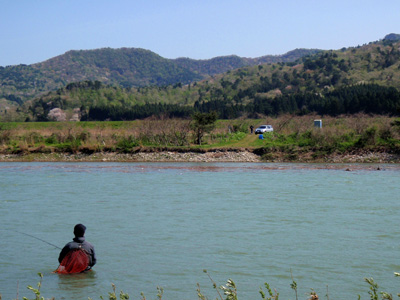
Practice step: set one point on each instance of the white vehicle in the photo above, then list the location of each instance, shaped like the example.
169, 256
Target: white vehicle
263, 128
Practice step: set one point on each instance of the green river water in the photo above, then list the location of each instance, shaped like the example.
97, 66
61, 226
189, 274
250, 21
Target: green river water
161, 224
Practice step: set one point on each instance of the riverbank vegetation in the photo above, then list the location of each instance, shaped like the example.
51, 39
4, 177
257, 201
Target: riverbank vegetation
229, 291
293, 137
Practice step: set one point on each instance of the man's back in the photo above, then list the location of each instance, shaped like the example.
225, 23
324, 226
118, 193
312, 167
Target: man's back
78, 255
78, 243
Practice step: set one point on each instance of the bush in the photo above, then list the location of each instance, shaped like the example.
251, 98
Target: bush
5, 136
126, 144
71, 146
84, 136
34, 138
368, 138
53, 139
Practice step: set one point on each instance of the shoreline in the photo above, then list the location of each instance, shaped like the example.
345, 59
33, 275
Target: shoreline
214, 155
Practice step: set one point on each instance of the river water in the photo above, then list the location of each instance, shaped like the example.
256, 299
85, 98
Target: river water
162, 224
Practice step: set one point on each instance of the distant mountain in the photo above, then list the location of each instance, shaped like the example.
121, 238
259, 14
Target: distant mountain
125, 67
128, 83
392, 37
346, 81
223, 64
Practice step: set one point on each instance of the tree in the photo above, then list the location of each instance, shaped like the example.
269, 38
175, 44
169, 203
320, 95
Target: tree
202, 123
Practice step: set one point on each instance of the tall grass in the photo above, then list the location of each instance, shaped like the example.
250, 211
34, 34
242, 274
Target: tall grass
291, 135
228, 291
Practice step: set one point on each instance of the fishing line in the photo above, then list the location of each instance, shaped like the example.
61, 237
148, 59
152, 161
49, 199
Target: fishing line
37, 239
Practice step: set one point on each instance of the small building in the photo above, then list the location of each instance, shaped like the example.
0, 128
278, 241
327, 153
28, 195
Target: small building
318, 123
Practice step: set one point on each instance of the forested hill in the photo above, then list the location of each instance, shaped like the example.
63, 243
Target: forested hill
358, 79
125, 67
223, 64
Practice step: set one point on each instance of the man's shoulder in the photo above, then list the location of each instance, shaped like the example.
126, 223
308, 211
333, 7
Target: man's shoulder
69, 244
86, 243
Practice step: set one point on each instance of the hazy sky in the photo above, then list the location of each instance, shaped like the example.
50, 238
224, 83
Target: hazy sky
35, 30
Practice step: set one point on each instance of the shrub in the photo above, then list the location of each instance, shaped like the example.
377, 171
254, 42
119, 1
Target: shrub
241, 128
71, 146
53, 139
368, 138
34, 138
5, 136
84, 136
126, 144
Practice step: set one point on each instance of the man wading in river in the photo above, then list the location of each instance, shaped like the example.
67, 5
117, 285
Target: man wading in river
77, 256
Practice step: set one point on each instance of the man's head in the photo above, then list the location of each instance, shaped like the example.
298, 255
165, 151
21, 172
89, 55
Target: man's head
79, 230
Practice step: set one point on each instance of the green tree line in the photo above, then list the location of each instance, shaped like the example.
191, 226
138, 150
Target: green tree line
371, 99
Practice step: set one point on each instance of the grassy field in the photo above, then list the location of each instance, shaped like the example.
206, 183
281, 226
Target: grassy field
292, 135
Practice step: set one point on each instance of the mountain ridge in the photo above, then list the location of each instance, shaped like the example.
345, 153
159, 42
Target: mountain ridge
113, 80
126, 67
346, 81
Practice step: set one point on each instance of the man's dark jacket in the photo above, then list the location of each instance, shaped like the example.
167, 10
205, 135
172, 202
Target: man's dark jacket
77, 241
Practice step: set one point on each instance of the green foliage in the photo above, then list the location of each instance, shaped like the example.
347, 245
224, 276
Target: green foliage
34, 138
293, 285
242, 128
203, 123
272, 295
396, 124
373, 288
36, 291
237, 136
200, 295
5, 136
69, 146
53, 139
230, 290
111, 103
225, 139
214, 284
160, 292
113, 296
368, 138
126, 144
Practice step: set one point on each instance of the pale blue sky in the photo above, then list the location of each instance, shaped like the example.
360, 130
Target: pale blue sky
35, 30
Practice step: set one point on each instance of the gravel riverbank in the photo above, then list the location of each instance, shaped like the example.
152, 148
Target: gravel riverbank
223, 155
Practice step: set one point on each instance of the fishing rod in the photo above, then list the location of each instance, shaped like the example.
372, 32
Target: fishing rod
37, 239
